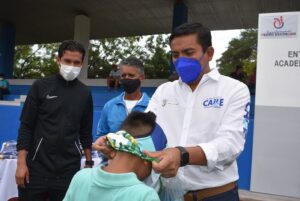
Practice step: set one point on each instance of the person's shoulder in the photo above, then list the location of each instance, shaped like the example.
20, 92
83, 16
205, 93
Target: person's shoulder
83, 174
232, 82
167, 86
145, 97
233, 86
143, 192
45, 82
51, 78
81, 180
114, 100
83, 86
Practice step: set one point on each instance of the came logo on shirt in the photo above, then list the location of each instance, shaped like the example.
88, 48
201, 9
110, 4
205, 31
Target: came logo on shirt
216, 102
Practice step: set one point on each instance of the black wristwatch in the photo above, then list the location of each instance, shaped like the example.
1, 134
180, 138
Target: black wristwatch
89, 163
184, 156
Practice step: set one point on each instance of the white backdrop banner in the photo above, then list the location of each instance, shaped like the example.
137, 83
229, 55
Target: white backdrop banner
276, 155
278, 60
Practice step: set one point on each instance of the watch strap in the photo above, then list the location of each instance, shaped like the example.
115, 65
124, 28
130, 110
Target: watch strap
89, 163
184, 156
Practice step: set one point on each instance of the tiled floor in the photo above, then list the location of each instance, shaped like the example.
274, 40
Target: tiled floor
251, 196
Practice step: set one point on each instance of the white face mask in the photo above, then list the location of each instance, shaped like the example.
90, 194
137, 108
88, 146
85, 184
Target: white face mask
69, 72
1, 78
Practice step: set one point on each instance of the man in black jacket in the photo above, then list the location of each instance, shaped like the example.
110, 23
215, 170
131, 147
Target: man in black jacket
57, 114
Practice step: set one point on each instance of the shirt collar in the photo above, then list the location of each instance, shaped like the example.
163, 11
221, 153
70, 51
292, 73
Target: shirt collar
213, 74
143, 100
59, 77
120, 98
115, 180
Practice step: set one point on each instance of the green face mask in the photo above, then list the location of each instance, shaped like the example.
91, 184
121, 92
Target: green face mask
123, 141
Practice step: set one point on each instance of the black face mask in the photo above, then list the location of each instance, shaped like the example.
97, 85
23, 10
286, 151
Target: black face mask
130, 85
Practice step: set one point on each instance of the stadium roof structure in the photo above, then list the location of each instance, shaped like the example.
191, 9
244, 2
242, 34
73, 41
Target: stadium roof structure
46, 21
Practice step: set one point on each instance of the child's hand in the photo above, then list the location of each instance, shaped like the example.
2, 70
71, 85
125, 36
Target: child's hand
100, 145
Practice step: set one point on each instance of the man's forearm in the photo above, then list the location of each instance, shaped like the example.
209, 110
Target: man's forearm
22, 154
197, 156
88, 154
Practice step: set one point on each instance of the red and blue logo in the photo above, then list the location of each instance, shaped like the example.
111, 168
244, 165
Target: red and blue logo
278, 22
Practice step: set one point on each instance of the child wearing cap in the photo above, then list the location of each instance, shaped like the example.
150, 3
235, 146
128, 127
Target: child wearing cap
121, 179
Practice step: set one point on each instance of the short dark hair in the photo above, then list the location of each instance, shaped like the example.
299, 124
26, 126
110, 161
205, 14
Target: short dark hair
2, 75
70, 45
203, 33
139, 123
134, 62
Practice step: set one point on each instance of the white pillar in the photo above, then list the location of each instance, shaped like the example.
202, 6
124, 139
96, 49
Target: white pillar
82, 35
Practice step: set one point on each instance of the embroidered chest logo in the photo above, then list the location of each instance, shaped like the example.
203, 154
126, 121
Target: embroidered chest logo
50, 97
168, 102
216, 102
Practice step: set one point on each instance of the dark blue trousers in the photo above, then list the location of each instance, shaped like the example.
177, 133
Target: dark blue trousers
44, 189
231, 195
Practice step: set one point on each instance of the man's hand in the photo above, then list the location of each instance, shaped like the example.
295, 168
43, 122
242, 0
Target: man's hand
22, 174
169, 162
100, 145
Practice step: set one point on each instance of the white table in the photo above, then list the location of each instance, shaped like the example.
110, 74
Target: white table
8, 187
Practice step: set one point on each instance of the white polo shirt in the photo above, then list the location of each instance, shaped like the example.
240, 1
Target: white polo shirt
215, 117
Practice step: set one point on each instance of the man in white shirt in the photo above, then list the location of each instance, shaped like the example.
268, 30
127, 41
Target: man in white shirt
205, 118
